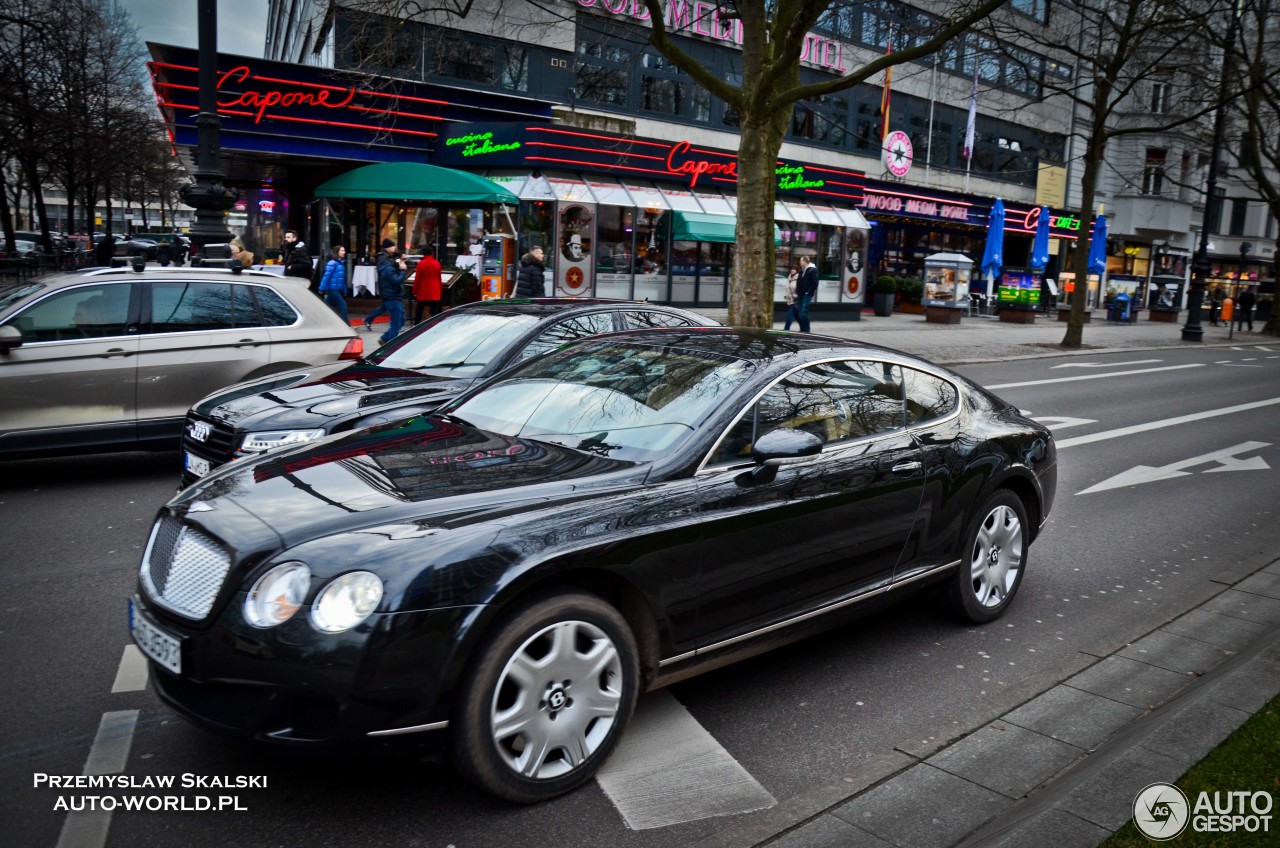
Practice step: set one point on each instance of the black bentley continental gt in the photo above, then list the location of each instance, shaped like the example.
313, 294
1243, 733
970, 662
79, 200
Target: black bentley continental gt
501, 578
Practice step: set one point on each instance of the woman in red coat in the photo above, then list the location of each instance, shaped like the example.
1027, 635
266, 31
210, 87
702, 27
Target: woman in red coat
427, 285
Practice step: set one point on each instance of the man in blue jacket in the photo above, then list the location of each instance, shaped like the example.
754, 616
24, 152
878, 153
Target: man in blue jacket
391, 273
806, 291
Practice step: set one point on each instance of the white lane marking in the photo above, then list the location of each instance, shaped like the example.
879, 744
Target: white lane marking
1095, 376
1250, 359
110, 752
1260, 347
1107, 364
1061, 422
132, 673
1167, 422
668, 769
1223, 362
1234, 365
1226, 461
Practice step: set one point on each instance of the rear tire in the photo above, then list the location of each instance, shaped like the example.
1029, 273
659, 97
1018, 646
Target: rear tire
546, 698
995, 557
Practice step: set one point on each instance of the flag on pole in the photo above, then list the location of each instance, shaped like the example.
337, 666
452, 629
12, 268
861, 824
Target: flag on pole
884, 97
973, 115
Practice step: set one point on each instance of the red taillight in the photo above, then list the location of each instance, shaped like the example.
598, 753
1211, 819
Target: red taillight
353, 350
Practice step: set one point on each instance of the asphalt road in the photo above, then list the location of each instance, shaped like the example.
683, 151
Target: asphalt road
1120, 556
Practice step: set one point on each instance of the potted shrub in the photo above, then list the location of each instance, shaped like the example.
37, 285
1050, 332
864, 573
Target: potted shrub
886, 286
912, 291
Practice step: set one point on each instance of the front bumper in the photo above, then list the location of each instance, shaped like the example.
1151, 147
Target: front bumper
294, 686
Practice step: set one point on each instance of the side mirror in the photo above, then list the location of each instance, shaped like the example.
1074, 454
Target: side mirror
781, 446
10, 337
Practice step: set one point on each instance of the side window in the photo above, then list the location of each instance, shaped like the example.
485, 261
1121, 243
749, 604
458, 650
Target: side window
569, 330
276, 311
928, 397
179, 307
84, 312
243, 310
836, 401
641, 320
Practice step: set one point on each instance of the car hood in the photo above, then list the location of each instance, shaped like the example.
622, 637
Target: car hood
428, 471
311, 398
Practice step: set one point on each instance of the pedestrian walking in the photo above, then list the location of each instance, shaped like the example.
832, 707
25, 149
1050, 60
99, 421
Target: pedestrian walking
793, 308
806, 291
530, 281
333, 285
164, 254
239, 254
297, 262
391, 273
1215, 305
1244, 309
427, 286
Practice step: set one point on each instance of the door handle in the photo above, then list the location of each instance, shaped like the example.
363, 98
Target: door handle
116, 353
906, 467
249, 343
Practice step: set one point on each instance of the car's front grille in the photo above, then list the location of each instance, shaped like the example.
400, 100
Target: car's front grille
218, 447
183, 569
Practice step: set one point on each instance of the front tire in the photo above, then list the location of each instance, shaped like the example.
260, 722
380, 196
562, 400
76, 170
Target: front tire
994, 559
546, 699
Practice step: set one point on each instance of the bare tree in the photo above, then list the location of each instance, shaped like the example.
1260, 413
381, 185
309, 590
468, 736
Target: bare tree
1258, 111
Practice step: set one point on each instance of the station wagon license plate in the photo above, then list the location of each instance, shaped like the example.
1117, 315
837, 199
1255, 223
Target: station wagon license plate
154, 642
197, 466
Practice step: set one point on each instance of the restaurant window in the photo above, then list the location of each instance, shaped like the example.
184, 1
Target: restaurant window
603, 73
615, 251
1153, 171
535, 225
651, 255
829, 258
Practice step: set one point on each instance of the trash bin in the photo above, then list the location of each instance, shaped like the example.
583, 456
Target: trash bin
1119, 310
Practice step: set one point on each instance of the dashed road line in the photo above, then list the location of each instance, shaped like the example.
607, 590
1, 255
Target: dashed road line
1096, 376
108, 755
1167, 422
131, 676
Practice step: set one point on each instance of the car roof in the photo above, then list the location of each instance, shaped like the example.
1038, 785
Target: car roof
125, 272
544, 306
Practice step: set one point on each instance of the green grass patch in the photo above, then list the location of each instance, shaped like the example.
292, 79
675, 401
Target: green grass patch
1248, 760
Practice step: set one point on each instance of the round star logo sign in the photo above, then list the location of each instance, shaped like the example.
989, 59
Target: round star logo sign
1161, 811
898, 153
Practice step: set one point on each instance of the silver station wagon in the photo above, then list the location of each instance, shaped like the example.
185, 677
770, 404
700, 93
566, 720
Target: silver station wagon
112, 358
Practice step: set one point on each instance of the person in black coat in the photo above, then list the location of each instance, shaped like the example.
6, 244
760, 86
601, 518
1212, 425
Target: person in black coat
297, 262
530, 281
164, 254
806, 291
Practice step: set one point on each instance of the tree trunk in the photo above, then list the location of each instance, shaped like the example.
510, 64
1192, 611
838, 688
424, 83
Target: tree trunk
755, 257
32, 174
1094, 151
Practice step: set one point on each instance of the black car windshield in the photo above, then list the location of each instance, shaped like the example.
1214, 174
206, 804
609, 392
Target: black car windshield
456, 344
622, 400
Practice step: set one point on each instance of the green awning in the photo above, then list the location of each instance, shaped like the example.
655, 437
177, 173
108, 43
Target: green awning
414, 181
704, 226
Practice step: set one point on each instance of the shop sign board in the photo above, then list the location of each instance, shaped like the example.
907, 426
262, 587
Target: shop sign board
680, 161
1019, 287
898, 153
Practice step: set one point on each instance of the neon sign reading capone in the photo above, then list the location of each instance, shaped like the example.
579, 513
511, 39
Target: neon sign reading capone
695, 17
478, 144
790, 177
261, 101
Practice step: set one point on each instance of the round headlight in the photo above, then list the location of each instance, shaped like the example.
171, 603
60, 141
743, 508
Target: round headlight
346, 601
277, 595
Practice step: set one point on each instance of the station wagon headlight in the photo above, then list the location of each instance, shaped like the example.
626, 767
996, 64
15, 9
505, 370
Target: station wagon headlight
259, 442
277, 595
346, 601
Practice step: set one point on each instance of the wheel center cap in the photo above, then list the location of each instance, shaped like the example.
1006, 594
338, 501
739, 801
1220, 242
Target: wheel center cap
556, 699
994, 556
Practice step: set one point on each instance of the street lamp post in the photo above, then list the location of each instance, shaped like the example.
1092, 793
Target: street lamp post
207, 194
1192, 331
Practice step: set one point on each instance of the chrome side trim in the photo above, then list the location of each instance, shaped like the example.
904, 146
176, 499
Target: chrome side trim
417, 728
870, 593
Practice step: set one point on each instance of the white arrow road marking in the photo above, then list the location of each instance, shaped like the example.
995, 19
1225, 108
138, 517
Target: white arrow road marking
1096, 376
668, 769
1062, 422
109, 754
1107, 364
1226, 459
1168, 422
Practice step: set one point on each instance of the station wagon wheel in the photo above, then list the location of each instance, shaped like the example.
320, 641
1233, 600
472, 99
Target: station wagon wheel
993, 560
546, 699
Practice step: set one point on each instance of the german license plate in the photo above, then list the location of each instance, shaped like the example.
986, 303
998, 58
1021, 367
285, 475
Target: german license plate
154, 642
197, 466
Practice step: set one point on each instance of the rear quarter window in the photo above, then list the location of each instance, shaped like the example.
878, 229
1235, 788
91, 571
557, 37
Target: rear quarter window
928, 397
276, 311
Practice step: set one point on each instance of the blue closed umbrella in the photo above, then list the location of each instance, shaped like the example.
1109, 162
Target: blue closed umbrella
993, 253
1040, 248
1098, 246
